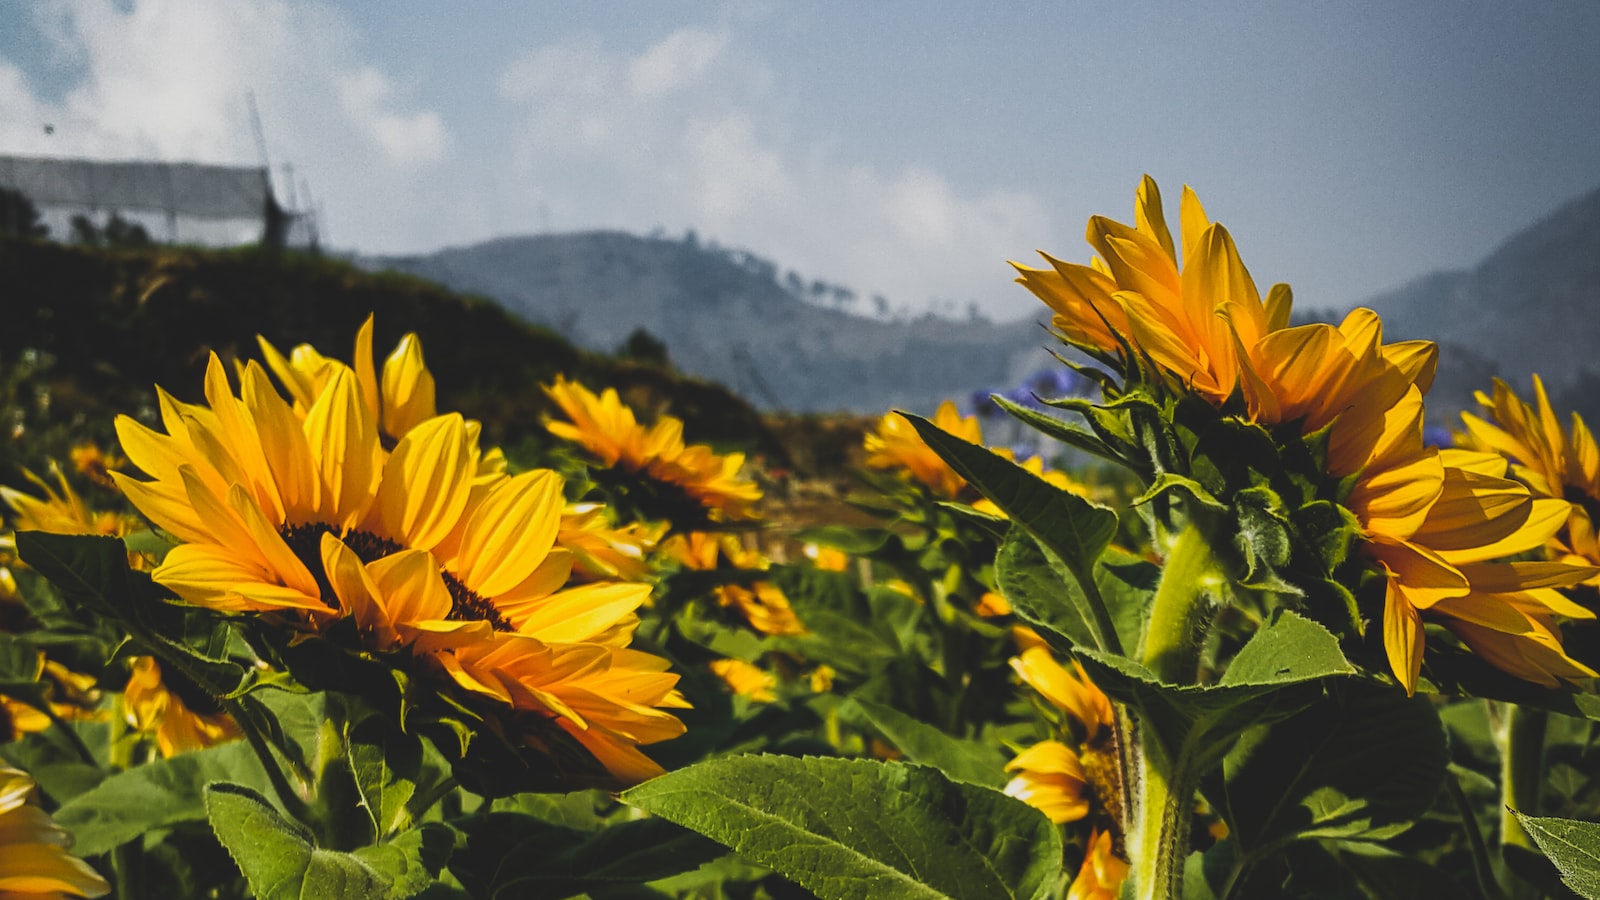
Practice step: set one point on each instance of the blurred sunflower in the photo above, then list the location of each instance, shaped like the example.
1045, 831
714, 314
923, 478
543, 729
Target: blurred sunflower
181, 720
1102, 873
603, 551
606, 427
307, 513
745, 679
1551, 460
896, 445
34, 857
762, 603
1067, 781
1432, 523
1050, 778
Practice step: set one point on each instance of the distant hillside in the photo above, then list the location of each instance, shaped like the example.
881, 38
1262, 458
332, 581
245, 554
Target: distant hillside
1532, 306
733, 325
117, 322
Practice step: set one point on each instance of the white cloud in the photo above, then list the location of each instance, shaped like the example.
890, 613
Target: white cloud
688, 133
169, 79
674, 63
407, 139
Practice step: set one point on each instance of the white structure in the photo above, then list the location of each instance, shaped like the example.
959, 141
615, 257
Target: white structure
189, 203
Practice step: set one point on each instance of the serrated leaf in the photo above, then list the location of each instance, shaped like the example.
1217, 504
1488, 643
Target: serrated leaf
280, 861
972, 762
850, 828
1069, 526
1361, 764
155, 795
1573, 846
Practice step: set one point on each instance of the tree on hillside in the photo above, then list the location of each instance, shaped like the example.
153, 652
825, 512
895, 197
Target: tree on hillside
645, 347
19, 217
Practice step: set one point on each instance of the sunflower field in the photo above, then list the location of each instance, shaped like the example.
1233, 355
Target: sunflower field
304, 619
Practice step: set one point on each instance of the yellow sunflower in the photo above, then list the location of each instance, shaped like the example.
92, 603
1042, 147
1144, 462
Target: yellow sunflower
1433, 523
60, 511
603, 551
896, 445
402, 398
762, 603
1551, 460
34, 851
178, 724
1102, 873
308, 513
1076, 696
1050, 778
607, 428
746, 680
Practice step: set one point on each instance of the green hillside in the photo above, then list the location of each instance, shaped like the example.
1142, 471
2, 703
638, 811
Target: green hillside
87, 332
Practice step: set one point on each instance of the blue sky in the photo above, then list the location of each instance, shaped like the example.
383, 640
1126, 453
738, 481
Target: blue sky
894, 147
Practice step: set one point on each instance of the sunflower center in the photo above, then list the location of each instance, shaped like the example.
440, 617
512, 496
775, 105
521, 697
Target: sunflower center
306, 543
467, 606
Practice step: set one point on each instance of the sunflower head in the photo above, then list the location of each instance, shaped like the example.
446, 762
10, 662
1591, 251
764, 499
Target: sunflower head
363, 539
896, 445
1297, 452
652, 470
35, 853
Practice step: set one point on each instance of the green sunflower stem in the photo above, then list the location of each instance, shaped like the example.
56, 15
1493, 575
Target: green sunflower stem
1164, 785
1163, 802
1521, 739
1190, 578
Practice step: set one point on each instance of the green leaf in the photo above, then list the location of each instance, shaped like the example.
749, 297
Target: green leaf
510, 855
412, 860
1066, 432
1072, 528
852, 828
1573, 846
385, 764
1277, 673
280, 861
1364, 763
1045, 595
972, 762
90, 571
156, 795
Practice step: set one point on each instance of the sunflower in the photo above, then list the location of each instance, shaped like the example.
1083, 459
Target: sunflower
402, 398
34, 857
1433, 523
1053, 775
600, 550
308, 513
180, 721
606, 427
1551, 460
1102, 873
896, 445
745, 680
1050, 778
762, 603
60, 511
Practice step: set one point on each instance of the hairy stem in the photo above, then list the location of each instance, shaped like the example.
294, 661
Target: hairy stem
1164, 780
